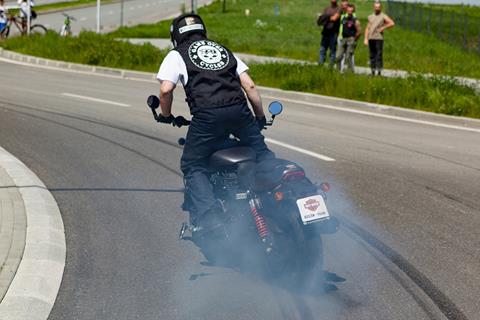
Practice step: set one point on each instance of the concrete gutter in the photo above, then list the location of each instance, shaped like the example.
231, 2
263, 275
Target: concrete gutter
269, 93
34, 288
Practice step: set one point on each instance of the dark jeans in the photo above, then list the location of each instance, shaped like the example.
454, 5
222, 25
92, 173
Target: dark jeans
376, 54
206, 133
329, 41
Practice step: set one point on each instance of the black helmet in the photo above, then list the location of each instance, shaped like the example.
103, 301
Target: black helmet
184, 26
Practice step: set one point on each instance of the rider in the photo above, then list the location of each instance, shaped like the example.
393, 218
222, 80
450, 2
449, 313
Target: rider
213, 79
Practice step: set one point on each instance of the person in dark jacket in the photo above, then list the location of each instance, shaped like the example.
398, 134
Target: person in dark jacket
217, 87
330, 20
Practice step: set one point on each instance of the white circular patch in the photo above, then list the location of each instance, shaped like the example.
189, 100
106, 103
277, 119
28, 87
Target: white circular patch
208, 55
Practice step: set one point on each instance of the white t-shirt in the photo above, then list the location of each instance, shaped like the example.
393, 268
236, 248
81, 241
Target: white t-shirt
3, 14
173, 68
24, 9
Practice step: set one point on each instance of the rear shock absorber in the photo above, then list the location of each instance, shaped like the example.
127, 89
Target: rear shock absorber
261, 225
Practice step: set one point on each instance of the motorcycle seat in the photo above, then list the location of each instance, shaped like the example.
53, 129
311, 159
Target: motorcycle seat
231, 156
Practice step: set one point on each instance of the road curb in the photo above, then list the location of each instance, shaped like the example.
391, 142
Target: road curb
301, 97
34, 288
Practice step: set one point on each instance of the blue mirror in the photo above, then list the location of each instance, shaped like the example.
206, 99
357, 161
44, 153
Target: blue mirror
275, 108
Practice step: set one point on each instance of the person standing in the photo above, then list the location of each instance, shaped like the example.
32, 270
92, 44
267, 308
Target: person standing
378, 22
3, 17
26, 12
330, 19
351, 31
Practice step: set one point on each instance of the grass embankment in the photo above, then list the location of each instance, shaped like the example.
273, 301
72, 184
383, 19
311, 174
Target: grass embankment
294, 34
459, 25
437, 95
89, 48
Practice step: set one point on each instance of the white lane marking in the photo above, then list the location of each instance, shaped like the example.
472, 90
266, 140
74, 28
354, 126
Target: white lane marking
95, 99
318, 105
307, 152
110, 12
373, 114
83, 18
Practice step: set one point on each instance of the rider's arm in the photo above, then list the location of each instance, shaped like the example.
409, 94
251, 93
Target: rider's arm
166, 97
252, 94
171, 71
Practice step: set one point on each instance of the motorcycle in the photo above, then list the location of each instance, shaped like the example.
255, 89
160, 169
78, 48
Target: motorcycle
272, 209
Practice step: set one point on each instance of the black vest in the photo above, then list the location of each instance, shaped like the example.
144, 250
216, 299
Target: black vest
212, 75
349, 27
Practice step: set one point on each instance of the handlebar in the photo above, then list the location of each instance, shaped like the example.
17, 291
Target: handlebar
153, 103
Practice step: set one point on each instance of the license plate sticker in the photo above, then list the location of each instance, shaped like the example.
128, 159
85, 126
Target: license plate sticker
312, 208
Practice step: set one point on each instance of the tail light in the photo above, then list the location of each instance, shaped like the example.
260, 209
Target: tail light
325, 186
293, 175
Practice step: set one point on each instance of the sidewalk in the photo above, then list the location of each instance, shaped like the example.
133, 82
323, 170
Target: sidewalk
32, 243
166, 44
13, 226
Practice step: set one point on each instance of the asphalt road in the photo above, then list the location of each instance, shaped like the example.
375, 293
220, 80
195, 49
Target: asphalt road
408, 195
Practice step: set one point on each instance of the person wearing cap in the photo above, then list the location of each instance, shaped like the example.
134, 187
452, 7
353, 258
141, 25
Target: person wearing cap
217, 86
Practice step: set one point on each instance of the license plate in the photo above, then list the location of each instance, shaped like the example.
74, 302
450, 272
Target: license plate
312, 208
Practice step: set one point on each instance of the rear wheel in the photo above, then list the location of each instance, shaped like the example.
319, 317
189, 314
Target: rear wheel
38, 29
309, 267
297, 255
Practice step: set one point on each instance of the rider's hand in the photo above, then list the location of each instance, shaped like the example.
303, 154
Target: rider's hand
163, 119
261, 122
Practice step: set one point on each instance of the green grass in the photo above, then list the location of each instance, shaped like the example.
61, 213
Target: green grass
89, 48
435, 94
459, 25
294, 34
438, 94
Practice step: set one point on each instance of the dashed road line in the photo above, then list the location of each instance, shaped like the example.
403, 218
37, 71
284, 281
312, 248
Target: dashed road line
300, 150
72, 95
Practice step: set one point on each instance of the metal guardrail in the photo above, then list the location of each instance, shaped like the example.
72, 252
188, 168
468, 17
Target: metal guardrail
454, 25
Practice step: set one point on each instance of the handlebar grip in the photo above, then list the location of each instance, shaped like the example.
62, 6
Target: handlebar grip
180, 121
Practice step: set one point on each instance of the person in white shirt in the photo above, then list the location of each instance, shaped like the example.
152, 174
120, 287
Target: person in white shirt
26, 12
217, 87
3, 16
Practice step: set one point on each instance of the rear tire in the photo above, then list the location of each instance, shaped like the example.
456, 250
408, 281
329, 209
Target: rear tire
297, 256
309, 257
38, 29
